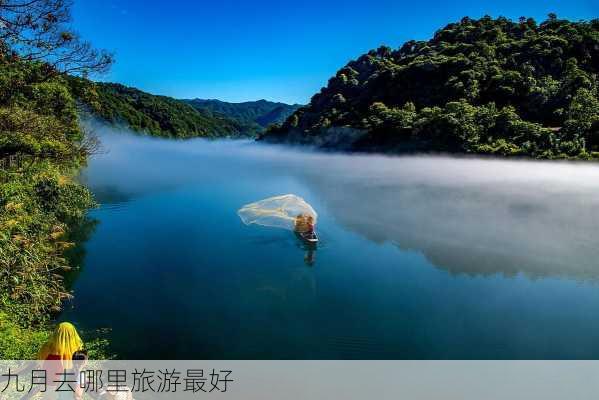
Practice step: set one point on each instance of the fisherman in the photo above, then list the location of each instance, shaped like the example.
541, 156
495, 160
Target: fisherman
304, 223
310, 224
286, 212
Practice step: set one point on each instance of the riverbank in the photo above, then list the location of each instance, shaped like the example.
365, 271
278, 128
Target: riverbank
42, 148
40, 204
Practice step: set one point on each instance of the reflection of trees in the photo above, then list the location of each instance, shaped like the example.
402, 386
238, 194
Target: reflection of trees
79, 234
110, 194
477, 230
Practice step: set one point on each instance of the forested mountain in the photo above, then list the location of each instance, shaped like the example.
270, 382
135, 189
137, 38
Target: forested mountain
253, 115
490, 86
155, 115
169, 117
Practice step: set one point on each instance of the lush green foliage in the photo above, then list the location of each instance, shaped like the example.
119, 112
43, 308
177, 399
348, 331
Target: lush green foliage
41, 146
155, 115
479, 86
42, 207
18, 343
253, 116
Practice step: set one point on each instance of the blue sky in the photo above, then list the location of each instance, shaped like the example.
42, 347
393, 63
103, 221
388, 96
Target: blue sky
273, 49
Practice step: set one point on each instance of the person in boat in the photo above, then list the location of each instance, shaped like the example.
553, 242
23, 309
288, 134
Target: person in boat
310, 224
304, 227
299, 223
304, 224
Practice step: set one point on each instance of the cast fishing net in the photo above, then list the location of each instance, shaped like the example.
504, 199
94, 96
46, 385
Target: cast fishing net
287, 212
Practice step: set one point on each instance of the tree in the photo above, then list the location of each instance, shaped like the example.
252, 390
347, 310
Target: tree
38, 30
583, 118
484, 86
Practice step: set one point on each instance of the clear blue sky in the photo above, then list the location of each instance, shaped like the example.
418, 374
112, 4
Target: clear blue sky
274, 49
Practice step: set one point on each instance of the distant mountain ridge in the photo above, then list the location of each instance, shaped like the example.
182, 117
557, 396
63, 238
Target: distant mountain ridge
151, 114
169, 117
254, 116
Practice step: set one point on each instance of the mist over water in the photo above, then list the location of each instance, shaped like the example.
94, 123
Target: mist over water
477, 216
420, 257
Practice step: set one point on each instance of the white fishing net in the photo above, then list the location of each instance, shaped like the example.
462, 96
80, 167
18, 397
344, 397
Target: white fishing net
288, 212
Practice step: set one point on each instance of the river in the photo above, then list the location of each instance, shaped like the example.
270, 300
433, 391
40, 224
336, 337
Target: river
420, 257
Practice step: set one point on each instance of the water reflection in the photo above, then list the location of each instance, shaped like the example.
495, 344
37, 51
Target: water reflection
477, 228
171, 243
79, 234
109, 195
309, 248
471, 216
477, 217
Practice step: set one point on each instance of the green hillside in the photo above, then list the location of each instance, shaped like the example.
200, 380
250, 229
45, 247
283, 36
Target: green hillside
486, 86
254, 116
42, 147
155, 115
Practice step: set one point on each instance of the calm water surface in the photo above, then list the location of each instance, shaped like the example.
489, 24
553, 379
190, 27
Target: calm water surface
420, 257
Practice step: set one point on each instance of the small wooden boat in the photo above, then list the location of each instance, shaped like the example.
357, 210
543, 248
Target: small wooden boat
309, 237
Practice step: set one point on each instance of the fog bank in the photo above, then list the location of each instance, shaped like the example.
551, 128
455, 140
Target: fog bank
472, 216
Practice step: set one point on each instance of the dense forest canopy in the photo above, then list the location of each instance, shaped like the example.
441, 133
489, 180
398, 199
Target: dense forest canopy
491, 86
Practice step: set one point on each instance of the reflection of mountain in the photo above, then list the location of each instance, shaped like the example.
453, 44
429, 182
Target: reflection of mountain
483, 228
